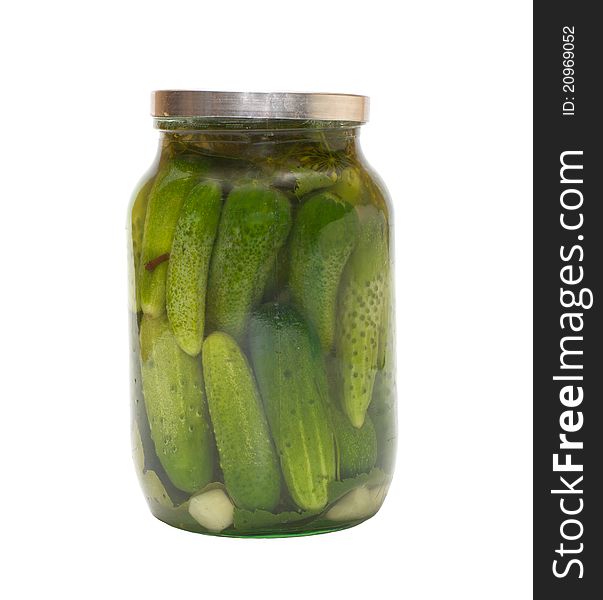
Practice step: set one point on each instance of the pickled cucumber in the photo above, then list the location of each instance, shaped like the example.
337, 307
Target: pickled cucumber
348, 186
136, 222
172, 386
307, 180
361, 306
254, 225
175, 180
356, 448
323, 236
291, 376
247, 456
189, 264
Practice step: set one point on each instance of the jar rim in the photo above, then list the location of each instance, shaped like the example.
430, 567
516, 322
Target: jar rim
350, 108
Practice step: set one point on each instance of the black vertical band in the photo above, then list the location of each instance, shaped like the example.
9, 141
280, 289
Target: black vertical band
568, 270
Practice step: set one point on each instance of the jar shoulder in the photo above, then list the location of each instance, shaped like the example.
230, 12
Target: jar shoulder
297, 167
377, 189
143, 186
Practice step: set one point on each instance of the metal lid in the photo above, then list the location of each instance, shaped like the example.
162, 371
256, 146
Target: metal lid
260, 105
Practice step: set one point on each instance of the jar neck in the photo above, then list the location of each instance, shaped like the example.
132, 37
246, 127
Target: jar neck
240, 137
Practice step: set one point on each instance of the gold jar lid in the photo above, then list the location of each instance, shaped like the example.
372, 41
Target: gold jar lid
260, 105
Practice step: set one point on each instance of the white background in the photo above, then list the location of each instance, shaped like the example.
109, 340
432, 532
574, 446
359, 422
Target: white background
450, 133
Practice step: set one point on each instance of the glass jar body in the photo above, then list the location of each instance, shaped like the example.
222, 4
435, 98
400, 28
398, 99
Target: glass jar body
262, 329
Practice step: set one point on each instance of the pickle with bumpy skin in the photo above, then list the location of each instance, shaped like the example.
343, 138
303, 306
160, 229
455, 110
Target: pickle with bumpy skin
245, 449
254, 225
172, 385
291, 375
175, 180
189, 264
361, 300
322, 239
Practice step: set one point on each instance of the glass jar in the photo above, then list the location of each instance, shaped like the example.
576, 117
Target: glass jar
262, 324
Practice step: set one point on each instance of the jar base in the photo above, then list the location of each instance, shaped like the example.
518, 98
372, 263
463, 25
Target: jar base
264, 534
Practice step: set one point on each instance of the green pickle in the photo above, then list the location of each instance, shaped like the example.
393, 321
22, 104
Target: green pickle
247, 454
349, 186
136, 220
362, 297
166, 197
323, 237
255, 224
356, 448
188, 265
291, 375
264, 395
172, 385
